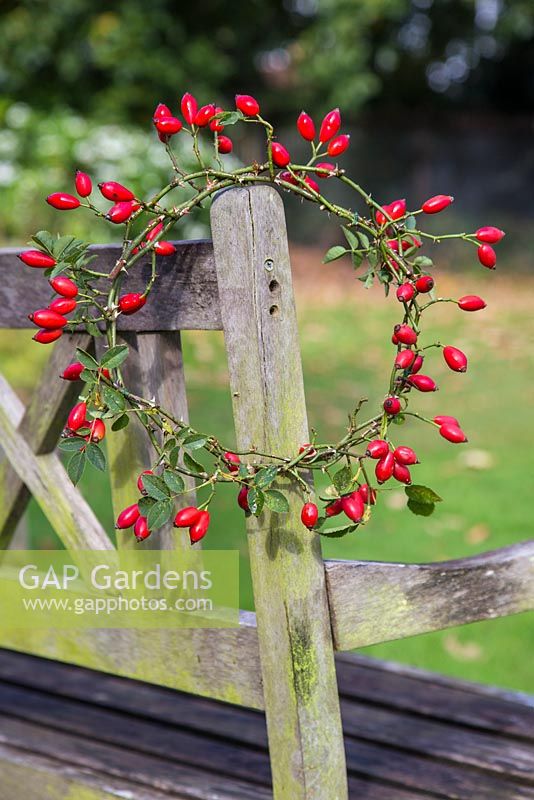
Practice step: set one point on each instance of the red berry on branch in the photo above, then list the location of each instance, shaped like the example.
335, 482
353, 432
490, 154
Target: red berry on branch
168, 126
378, 448
186, 517
310, 451
405, 293
127, 517
330, 125
367, 494
404, 359
140, 486
161, 110
141, 530
309, 515
280, 155
443, 419
62, 201
394, 339
46, 336
424, 284
122, 211
233, 461
401, 473
487, 256
455, 359
97, 431
224, 145
130, 303
338, 145
62, 305
242, 499
392, 405
164, 248
334, 508
154, 231
77, 417
489, 235
34, 258
311, 184
423, 383
306, 126
435, 204
83, 183
189, 107
45, 318
73, 371
384, 468
353, 506
288, 177
64, 286
247, 105
405, 455
397, 209
405, 334
417, 364
471, 302
215, 124
204, 114
199, 529
325, 169
453, 433
115, 192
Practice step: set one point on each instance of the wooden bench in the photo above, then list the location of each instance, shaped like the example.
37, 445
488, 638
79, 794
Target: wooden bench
70, 733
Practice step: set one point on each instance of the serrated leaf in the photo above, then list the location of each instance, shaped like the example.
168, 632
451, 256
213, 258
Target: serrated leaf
72, 443
120, 423
372, 258
421, 509
93, 329
113, 399
276, 501
369, 280
155, 487
173, 456
159, 513
422, 494
96, 456
45, 240
410, 223
352, 239
193, 465
87, 376
114, 357
144, 504
86, 359
264, 477
357, 258
230, 117
256, 500
182, 434
343, 480
334, 253
364, 240
337, 533
423, 261
62, 245
76, 466
195, 442
174, 481
60, 267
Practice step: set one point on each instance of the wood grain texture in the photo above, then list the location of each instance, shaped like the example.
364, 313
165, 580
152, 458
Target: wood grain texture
41, 426
373, 602
44, 475
183, 298
259, 320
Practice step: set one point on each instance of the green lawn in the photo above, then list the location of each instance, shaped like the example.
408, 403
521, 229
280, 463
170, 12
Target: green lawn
485, 485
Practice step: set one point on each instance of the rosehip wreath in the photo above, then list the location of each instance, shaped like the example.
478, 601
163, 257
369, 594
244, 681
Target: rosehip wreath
386, 239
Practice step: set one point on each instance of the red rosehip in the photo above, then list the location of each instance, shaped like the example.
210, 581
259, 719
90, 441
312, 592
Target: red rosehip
453, 433
168, 126
401, 473
471, 302
443, 419
215, 124
115, 192
489, 235
199, 529
405, 455
233, 461
141, 530
405, 293
288, 177
62, 201
309, 515
77, 417
83, 183
417, 364
325, 169
338, 145
45, 318
394, 339
122, 211
161, 110
189, 107
186, 517
127, 517
154, 231
397, 209
455, 359
306, 126
34, 258
46, 336
353, 506
367, 494
64, 286
310, 451
378, 448
487, 256
164, 248
97, 431
248, 105
435, 204
224, 145
330, 125
424, 284
140, 486
384, 468
423, 383
404, 359
280, 155
405, 334
62, 305
203, 115
130, 303
242, 499
392, 405
73, 371
334, 508
311, 184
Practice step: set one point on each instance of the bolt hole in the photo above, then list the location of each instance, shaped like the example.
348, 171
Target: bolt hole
269, 264
274, 311
273, 286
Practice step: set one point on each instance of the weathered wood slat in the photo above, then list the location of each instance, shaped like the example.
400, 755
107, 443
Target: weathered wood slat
184, 297
260, 328
373, 602
44, 475
41, 425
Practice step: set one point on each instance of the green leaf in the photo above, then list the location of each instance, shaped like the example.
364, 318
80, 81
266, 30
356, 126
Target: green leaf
364, 240
352, 239
113, 399
96, 456
357, 258
182, 434
421, 509
195, 442
144, 504
120, 423
343, 480
93, 329
155, 487
334, 253
193, 465
60, 267
265, 477
86, 359
372, 258
337, 533
45, 240
62, 245
159, 513
72, 443
369, 280
256, 499
422, 494
173, 456
87, 376
410, 223
76, 466
114, 357
399, 419
423, 261
276, 501
174, 481
230, 117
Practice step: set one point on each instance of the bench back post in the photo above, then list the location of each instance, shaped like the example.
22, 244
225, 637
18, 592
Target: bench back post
297, 658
